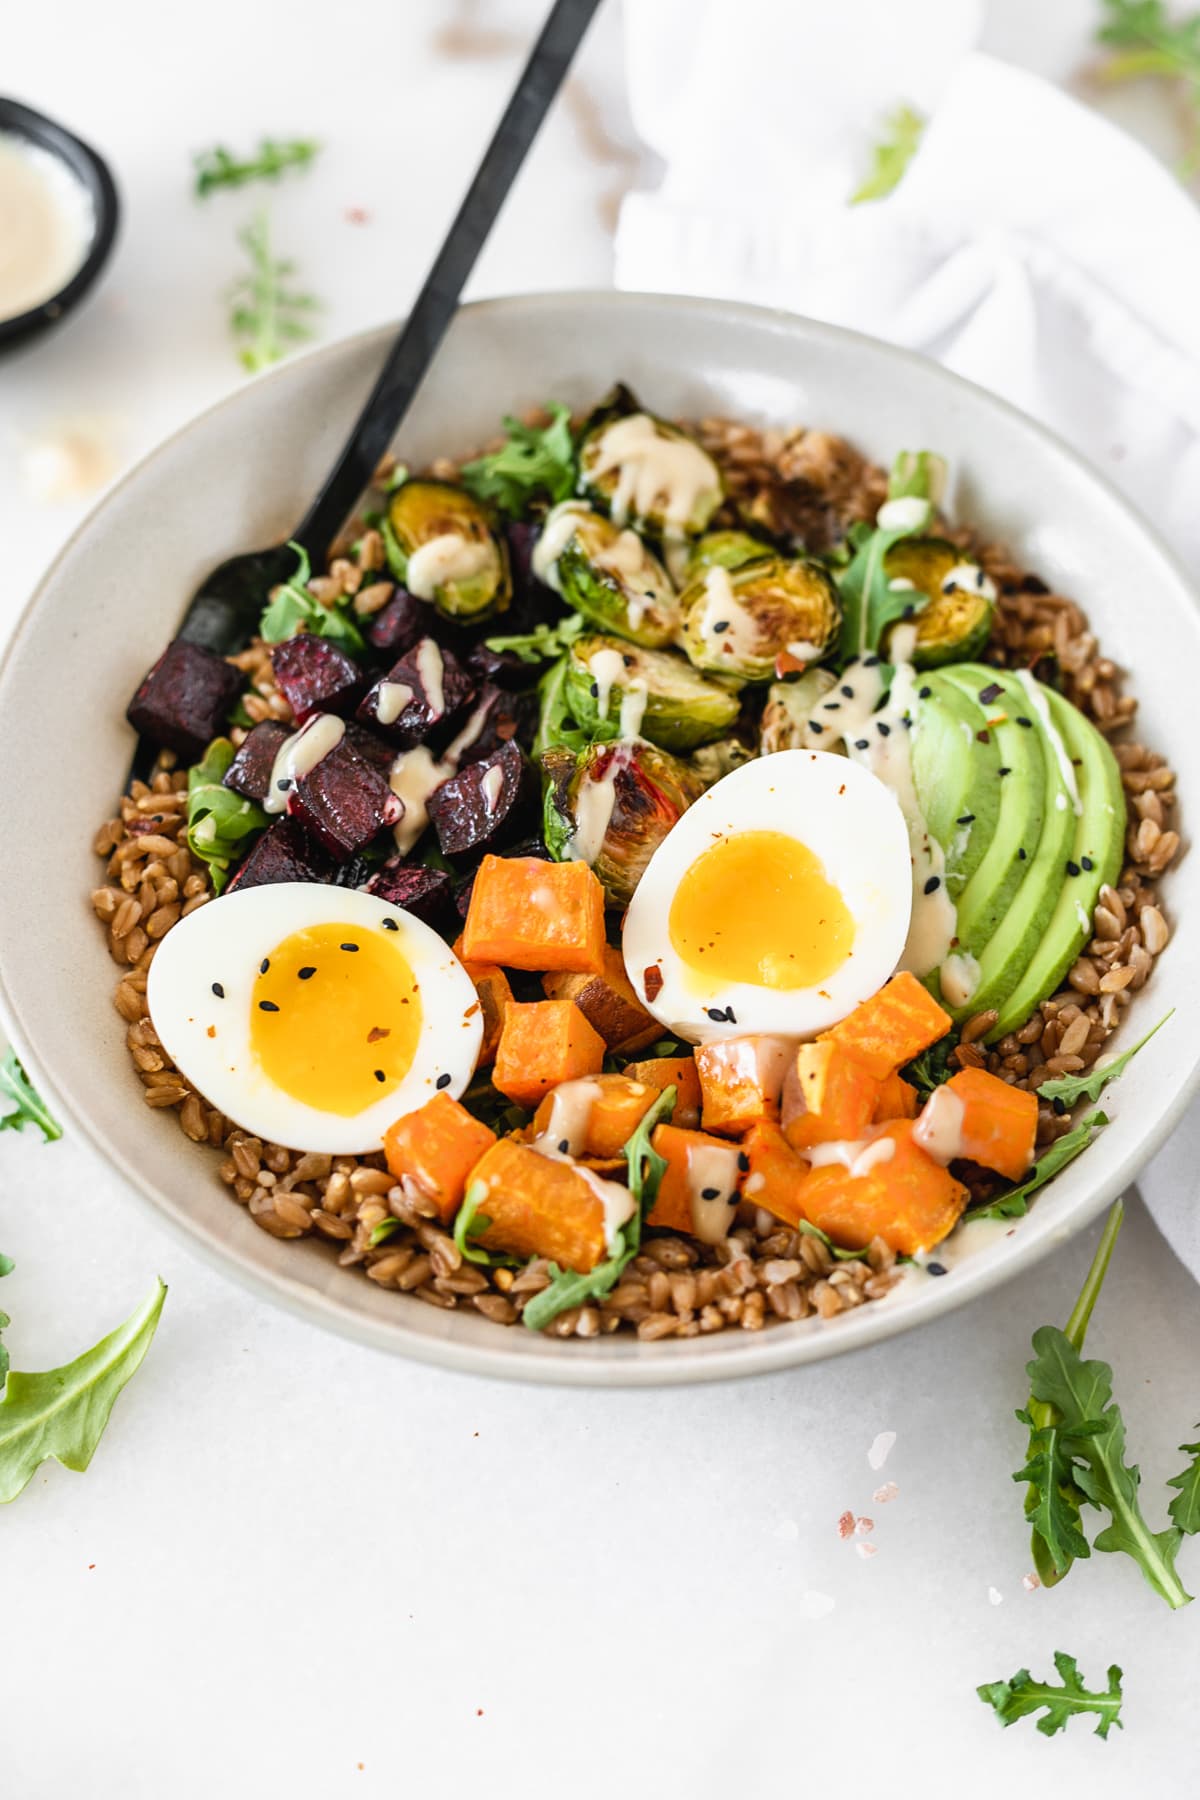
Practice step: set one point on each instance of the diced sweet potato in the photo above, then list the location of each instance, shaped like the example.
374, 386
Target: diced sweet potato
542, 1044
437, 1147
898, 1099
699, 1189
838, 1095
900, 1195
398, 625
679, 1072
893, 1026
282, 853
740, 1081
485, 801
595, 1117
495, 997
249, 774
427, 893
426, 685
536, 1206
343, 802
982, 1119
315, 676
609, 1002
184, 701
526, 914
773, 1172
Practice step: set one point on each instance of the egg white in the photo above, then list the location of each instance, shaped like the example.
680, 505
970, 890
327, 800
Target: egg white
225, 942
851, 822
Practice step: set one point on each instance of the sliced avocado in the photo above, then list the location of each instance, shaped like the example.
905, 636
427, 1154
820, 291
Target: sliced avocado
955, 777
1096, 854
997, 703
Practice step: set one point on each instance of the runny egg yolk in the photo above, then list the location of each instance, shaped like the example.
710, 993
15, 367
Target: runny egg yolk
758, 908
335, 1016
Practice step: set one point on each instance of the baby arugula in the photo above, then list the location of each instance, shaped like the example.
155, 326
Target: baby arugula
292, 608
534, 462
28, 1106
869, 602
219, 821
1065, 1090
892, 155
545, 643
1021, 1695
1015, 1203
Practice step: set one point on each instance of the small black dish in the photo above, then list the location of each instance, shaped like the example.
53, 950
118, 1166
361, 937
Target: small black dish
93, 172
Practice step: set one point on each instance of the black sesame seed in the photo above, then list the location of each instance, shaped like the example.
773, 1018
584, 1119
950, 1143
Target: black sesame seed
924, 693
936, 1268
379, 1075
743, 1162
815, 725
1027, 723
980, 578
564, 1145
267, 1006
966, 819
729, 1018
832, 706
721, 625
390, 925
284, 785
443, 1081
862, 743
264, 965
1059, 1105
991, 692
933, 884
628, 661
594, 690
1086, 862
1020, 855
1072, 868
906, 721
347, 946
1003, 772
871, 662
218, 990
710, 1193
307, 973
884, 730
847, 691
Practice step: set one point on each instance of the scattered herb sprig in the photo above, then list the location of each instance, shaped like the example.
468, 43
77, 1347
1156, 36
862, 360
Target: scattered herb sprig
267, 314
28, 1107
218, 820
545, 643
535, 462
220, 168
1069, 1088
6, 1268
292, 608
1147, 38
1021, 1695
891, 156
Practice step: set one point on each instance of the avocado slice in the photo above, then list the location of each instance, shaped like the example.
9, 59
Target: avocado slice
1096, 855
955, 778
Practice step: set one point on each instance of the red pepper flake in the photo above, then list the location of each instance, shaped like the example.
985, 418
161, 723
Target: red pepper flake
787, 664
91, 1565
357, 215
479, 1712
845, 1525
378, 1031
652, 979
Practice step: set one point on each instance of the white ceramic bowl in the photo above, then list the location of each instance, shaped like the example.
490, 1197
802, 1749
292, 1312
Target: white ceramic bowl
239, 476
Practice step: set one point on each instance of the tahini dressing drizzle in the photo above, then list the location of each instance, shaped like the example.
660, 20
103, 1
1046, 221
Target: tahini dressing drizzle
299, 755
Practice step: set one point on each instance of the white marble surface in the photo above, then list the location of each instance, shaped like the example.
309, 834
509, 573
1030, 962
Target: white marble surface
297, 1567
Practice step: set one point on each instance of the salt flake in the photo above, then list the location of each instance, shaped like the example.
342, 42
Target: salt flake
863, 1527
865, 1549
845, 1525
994, 1596
878, 1454
1030, 1582
887, 1492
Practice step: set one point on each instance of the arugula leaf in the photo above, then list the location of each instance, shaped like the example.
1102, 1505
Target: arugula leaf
220, 168
869, 602
917, 475
29, 1108
62, 1412
470, 1223
219, 821
1185, 1507
292, 609
929, 1070
1015, 1204
6, 1268
535, 461
1021, 1695
892, 155
1094, 1437
543, 644
265, 310
807, 1229
1052, 1505
557, 729
1069, 1088
1150, 40
646, 1169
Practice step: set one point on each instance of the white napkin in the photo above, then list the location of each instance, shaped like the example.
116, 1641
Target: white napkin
1031, 246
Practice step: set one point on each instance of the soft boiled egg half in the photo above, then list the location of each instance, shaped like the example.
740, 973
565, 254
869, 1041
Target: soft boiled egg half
314, 1016
778, 902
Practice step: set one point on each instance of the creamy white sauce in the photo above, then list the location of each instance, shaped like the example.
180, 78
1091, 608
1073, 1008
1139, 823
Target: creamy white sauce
391, 700
625, 557
1066, 767
656, 474
939, 1128
959, 977
556, 533
566, 1129
803, 651
616, 1200
492, 786
47, 222
907, 514
967, 578
633, 708
606, 668
858, 1156
902, 642
902, 585
712, 1178
971, 1237
726, 627
448, 557
299, 755
431, 669
593, 813
415, 775
470, 734
842, 714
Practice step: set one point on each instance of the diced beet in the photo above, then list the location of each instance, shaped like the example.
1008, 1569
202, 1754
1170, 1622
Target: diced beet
500, 667
315, 676
249, 774
282, 853
425, 892
475, 807
372, 749
185, 700
495, 718
343, 802
522, 535
399, 624
425, 687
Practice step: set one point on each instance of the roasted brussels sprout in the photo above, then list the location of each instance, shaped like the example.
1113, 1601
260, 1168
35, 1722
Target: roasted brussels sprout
607, 574
712, 761
648, 692
956, 622
645, 472
739, 622
612, 807
790, 705
725, 550
447, 551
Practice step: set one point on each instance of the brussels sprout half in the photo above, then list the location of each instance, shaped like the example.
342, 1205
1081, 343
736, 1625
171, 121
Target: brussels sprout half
646, 472
616, 582
448, 550
612, 807
725, 550
648, 692
790, 706
738, 622
955, 624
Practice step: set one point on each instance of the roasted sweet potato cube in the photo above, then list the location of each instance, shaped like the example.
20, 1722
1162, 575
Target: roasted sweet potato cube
398, 625
898, 1099
426, 685
437, 1147
609, 1002
894, 1025
315, 676
184, 701
835, 1097
495, 997
526, 914
741, 1080
485, 801
899, 1194
982, 1119
343, 802
282, 853
679, 1072
427, 893
699, 1189
593, 1118
542, 1044
536, 1206
249, 774
773, 1172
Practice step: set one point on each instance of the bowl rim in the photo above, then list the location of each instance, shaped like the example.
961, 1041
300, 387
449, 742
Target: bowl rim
91, 170
671, 1363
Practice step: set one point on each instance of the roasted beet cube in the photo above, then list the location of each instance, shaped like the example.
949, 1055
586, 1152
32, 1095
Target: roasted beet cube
475, 806
282, 853
425, 892
343, 802
372, 749
494, 719
399, 624
500, 667
522, 535
249, 774
315, 676
185, 700
417, 693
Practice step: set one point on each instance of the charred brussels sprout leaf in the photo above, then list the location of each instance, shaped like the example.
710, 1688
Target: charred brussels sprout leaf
612, 807
790, 706
739, 622
646, 472
712, 761
615, 581
725, 550
952, 596
651, 692
443, 548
